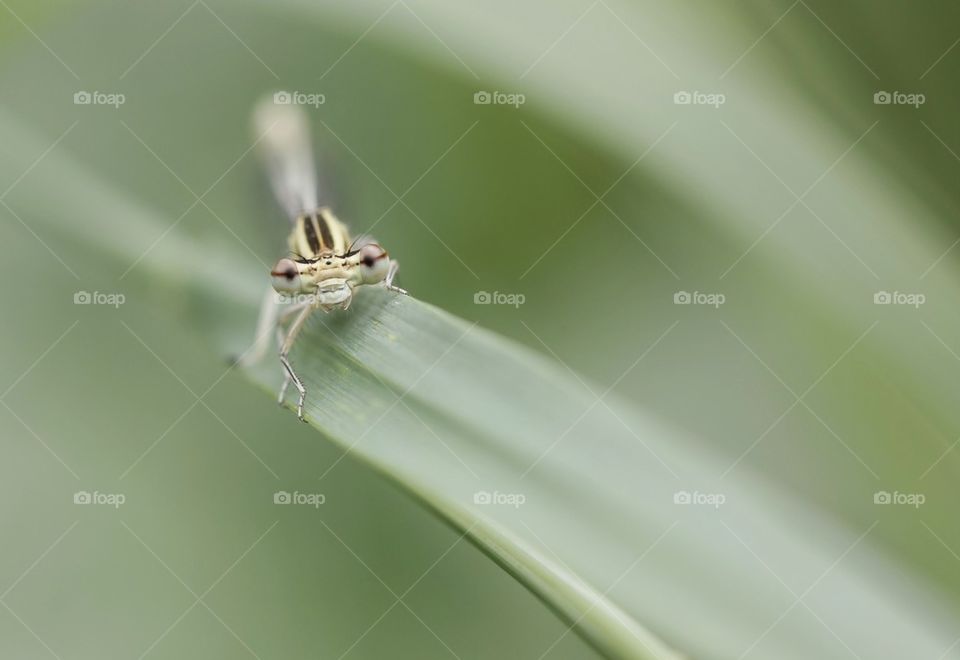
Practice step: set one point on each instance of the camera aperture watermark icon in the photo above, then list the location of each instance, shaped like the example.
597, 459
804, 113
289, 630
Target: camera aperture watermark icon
484, 497
884, 497
114, 99
296, 497
899, 98
686, 497
96, 497
515, 99
899, 298
714, 99
699, 298
315, 99
99, 298
498, 298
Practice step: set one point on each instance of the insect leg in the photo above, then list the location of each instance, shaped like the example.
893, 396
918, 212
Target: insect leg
291, 310
267, 319
270, 318
287, 313
292, 333
283, 318
391, 273
286, 376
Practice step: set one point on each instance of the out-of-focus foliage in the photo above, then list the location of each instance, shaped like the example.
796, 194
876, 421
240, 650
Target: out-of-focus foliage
813, 396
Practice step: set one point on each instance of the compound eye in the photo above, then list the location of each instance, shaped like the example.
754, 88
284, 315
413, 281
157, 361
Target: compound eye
370, 254
374, 262
285, 276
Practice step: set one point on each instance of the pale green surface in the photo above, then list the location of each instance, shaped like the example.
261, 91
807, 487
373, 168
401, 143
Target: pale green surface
884, 418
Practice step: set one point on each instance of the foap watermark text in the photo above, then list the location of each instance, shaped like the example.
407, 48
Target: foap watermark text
899, 298
296, 497
699, 98
99, 98
98, 298
499, 98
299, 98
896, 497
96, 497
899, 98
701, 499
496, 497
498, 298
699, 298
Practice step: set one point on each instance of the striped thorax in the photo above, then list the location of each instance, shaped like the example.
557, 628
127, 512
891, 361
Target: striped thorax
324, 263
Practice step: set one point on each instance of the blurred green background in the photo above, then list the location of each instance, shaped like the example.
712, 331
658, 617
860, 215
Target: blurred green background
798, 199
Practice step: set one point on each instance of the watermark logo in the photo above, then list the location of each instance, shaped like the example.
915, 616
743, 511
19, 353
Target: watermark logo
496, 497
99, 98
896, 497
298, 298
299, 98
96, 497
899, 98
296, 497
99, 298
899, 298
499, 98
697, 498
699, 298
699, 98
498, 298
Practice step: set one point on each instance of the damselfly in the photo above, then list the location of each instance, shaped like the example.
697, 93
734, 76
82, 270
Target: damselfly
324, 266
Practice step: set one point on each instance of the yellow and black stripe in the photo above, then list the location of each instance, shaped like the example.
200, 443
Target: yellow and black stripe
318, 232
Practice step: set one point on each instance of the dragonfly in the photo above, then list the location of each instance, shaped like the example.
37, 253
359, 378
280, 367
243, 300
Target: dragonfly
324, 267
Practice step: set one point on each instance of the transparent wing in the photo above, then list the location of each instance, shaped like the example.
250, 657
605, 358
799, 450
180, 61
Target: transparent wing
287, 153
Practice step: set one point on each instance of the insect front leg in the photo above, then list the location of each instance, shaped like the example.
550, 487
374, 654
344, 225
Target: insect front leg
391, 273
269, 309
282, 318
291, 337
286, 375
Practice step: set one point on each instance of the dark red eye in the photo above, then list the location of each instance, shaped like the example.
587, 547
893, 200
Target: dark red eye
370, 254
286, 276
286, 269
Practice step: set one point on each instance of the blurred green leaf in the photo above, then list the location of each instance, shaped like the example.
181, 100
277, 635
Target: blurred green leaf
479, 413
881, 216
